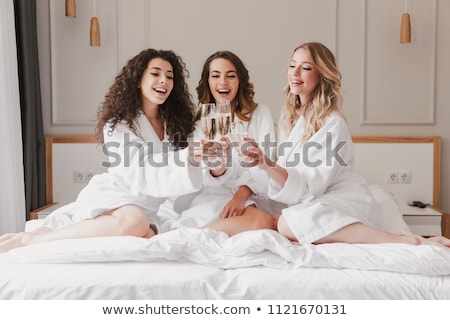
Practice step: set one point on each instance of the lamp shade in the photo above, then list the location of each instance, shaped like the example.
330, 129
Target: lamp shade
71, 8
405, 29
95, 32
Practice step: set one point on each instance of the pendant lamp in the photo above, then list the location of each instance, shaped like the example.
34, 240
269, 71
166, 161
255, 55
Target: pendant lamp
95, 31
71, 8
405, 28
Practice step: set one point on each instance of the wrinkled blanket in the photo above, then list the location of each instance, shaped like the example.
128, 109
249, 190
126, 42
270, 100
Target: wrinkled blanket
253, 248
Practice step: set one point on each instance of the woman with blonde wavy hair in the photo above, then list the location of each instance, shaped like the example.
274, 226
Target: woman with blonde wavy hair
325, 200
324, 99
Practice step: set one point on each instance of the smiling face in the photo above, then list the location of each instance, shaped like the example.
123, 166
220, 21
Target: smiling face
156, 82
303, 76
223, 80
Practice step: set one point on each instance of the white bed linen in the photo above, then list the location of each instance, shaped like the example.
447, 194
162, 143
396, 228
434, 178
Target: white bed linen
186, 281
248, 249
191, 263
205, 264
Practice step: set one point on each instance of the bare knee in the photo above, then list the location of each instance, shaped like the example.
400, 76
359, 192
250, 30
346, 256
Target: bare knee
131, 221
259, 219
284, 229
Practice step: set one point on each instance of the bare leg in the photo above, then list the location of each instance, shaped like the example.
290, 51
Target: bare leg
126, 220
251, 219
360, 233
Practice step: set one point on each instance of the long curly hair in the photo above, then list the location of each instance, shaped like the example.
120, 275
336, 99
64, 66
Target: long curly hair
244, 103
325, 99
123, 101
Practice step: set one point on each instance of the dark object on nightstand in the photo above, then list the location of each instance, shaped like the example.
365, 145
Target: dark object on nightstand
419, 204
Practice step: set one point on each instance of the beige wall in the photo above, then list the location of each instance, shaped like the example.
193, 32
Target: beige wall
390, 88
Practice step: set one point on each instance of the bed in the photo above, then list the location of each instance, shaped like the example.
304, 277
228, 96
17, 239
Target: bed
194, 264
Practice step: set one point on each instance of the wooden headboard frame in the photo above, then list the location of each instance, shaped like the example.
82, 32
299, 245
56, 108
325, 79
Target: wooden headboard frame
435, 140
49, 141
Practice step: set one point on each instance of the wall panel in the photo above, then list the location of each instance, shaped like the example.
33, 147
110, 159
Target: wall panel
389, 88
262, 33
80, 74
393, 70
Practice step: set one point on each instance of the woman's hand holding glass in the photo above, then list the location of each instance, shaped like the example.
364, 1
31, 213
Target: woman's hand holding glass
238, 136
254, 155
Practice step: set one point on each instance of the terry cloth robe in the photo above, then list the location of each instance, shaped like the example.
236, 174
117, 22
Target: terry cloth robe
143, 171
206, 205
322, 193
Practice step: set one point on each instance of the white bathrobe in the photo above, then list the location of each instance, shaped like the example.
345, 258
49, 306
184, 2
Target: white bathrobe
322, 193
143, 171
206, 205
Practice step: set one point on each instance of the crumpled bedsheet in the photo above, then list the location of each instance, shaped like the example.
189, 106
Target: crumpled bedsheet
252, 248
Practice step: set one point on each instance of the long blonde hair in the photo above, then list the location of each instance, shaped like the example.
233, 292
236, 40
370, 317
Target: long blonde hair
325, 99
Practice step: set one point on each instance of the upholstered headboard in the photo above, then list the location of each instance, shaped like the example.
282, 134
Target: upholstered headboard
70, 160
409, 167
377, 159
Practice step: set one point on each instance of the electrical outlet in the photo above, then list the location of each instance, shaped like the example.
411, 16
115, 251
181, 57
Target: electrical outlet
392, 176
78, 176
88, 174
404, 176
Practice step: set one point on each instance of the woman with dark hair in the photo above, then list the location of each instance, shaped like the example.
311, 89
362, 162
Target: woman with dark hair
126, 97
227, 203
232, 84
143, 124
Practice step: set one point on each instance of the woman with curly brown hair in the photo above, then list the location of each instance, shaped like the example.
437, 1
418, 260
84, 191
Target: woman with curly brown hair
227, 203
143, 124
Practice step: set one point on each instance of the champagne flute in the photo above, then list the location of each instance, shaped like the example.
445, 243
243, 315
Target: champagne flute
224, 111
238, 134
209, 123
209, 120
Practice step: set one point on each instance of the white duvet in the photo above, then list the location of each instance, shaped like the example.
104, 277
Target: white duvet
249, 249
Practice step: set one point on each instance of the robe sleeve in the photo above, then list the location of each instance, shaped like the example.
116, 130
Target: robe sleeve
165, 174
261, 128
316, 165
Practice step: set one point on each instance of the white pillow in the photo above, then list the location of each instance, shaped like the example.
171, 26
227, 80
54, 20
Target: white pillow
391, 214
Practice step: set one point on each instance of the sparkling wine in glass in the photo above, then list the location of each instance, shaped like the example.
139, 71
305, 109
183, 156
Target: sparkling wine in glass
209, 120
224, 111
238, 133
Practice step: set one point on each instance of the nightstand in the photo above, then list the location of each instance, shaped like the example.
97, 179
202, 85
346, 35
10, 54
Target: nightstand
42, 212
423, 221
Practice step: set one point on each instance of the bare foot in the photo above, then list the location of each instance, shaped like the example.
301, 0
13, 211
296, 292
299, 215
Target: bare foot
438, 240
6, 236
15, 240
